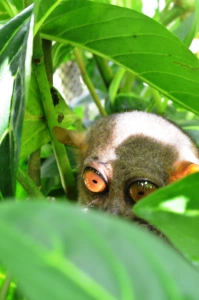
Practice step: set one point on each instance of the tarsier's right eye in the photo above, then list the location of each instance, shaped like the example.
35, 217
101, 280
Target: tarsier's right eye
141, 188
94, 181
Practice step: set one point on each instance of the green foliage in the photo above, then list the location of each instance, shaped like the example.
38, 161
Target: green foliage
174, 211
108, 259
128, 61
163, 62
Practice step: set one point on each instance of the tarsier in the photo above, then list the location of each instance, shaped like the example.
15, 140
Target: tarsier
125, 157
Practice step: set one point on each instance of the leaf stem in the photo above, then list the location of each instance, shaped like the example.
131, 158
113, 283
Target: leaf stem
47, 50
88, 82
29, 185
34, 165
171, 15
166, 8
114, 87
5, 287
104, 69
127, 83
63, 164
158, 101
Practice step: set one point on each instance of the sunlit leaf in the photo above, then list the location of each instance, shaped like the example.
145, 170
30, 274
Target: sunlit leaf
15, 57
175, 211
35, 132
132, 40
88, 256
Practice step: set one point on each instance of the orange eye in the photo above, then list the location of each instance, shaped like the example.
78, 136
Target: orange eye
140, 189
94, 181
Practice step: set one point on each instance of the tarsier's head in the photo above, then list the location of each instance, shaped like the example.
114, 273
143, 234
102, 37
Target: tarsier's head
125, 157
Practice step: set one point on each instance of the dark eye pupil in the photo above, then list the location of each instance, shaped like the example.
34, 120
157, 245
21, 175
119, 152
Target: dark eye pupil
140, 189
141, 193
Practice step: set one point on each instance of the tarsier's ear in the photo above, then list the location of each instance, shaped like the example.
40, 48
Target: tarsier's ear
182, 169
69, 137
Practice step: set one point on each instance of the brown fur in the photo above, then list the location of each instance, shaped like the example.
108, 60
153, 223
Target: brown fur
127, 146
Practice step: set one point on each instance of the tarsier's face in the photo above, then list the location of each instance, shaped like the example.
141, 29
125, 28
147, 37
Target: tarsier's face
116, 177
125, 157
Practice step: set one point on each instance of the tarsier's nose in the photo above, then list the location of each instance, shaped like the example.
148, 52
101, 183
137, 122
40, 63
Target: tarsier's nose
112, 206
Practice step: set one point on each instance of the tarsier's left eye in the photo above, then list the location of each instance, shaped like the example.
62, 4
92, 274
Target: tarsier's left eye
94, 181
141, 188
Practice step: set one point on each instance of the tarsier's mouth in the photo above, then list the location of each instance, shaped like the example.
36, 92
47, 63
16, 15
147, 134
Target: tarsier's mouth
148, 227
142, 223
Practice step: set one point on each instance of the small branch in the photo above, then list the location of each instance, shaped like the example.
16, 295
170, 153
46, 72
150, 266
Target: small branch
166, 8
104, 69
164, 103
63, 164
34, 165
5, 287
158, 101
127, 83
47, 49
171, 15
88, 82
115, 84
29, 185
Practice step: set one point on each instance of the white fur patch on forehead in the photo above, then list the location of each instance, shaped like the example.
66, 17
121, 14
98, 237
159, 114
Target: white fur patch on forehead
155, 127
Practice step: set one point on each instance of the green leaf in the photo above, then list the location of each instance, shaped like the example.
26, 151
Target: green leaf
135, 4
35, 133
60, 54
130, 101
7, 9
187, 30
88, 256
15, 56
42, 11
18, 3
65, 116
132, 40
175, 211
4, 15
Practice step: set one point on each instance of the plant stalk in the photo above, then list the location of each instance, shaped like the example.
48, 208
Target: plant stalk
47, 50
115, 84
104, 69
65, 171
158, 101
127, 83
88, 82
171, 15
34, 165
5, 287
29, 185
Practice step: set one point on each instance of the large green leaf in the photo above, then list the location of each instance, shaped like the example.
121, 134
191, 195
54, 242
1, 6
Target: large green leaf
14, 72
42, 11
135, 4
132, 40
35, 133
175, 211
62, 253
